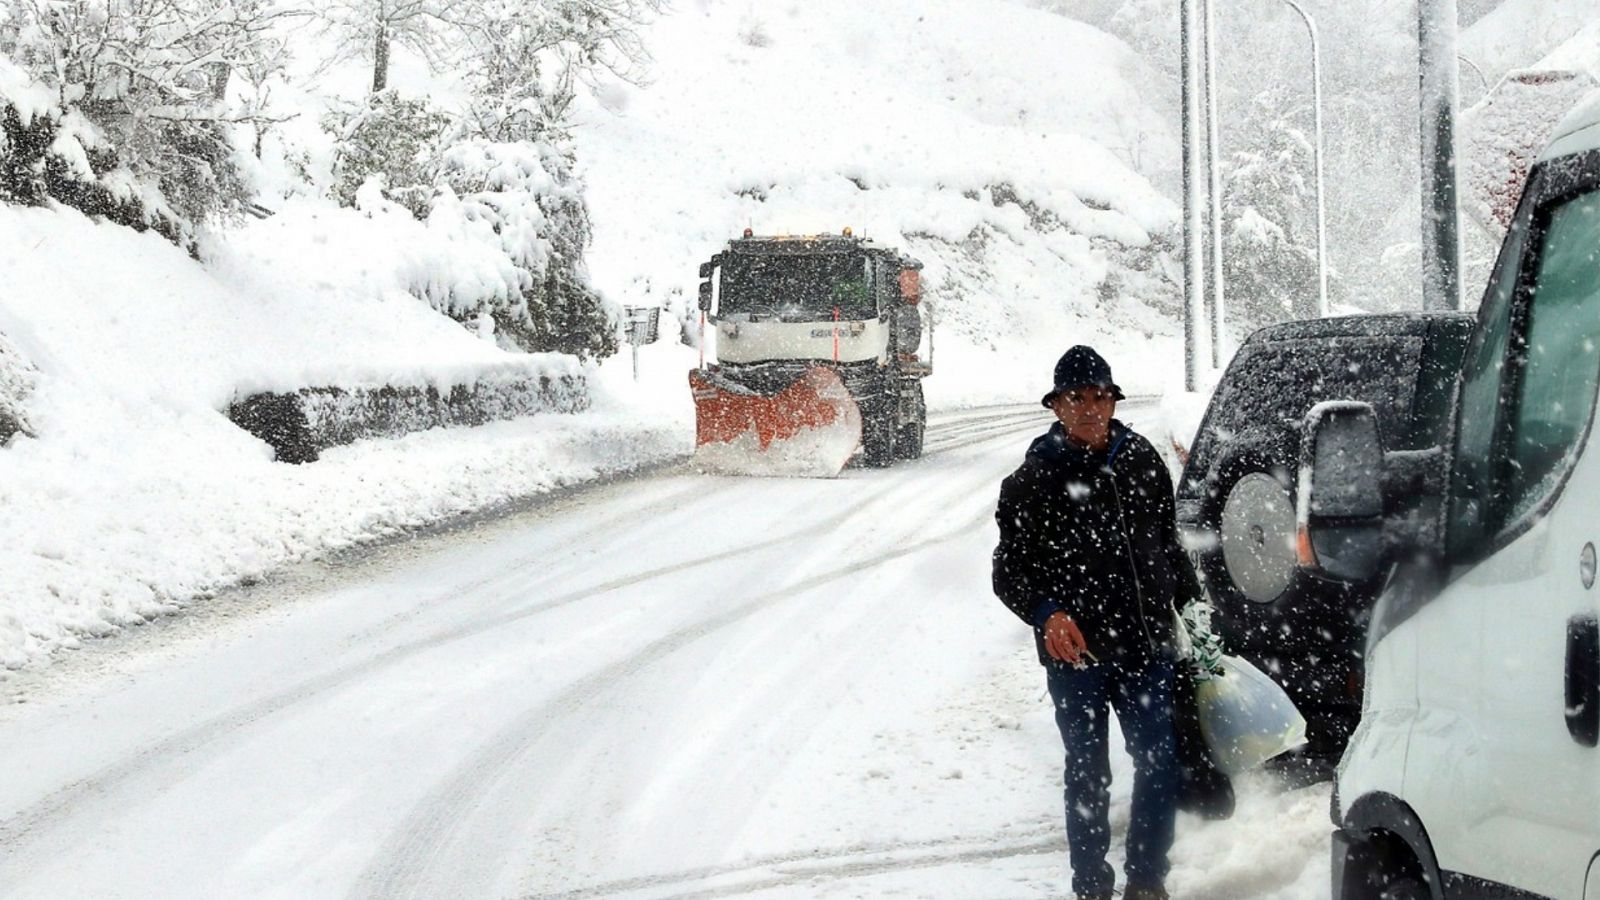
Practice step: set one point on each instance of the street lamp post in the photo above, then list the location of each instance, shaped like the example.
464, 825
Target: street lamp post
1316, 154
1193, 271
1214, 187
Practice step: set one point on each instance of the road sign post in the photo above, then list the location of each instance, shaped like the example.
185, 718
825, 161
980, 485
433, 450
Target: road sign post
640, 325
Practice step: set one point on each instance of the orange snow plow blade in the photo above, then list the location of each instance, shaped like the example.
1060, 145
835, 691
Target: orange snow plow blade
812, 427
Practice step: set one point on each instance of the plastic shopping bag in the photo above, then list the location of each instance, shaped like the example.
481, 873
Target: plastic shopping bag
1245, 717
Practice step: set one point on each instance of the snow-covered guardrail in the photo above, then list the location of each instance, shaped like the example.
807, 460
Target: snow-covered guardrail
299, 425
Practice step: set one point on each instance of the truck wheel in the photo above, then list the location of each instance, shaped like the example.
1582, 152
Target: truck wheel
878, 436
908, 444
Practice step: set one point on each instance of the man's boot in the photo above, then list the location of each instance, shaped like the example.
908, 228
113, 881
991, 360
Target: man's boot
1145, 892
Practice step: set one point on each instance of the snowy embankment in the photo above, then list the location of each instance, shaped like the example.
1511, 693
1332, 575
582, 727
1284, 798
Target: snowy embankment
1020, 154
138, 496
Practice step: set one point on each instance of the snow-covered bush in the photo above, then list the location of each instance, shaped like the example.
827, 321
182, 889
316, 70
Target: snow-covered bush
51, 154
523, 197
151, 78
392, 137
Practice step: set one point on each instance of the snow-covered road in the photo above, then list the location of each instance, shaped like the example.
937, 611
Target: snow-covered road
671, 686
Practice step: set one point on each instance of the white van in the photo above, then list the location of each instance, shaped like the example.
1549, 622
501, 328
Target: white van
1474, 771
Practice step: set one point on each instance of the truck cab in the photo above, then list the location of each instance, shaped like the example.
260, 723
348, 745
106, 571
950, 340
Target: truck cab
779, 306
1474, 771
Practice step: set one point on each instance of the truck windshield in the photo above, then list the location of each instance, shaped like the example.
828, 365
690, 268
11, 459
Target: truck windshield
803, 287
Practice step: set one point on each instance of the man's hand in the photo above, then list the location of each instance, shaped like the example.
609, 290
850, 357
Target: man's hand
1063, 640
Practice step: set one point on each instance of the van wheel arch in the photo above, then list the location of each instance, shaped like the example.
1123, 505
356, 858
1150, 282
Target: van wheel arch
1394, 841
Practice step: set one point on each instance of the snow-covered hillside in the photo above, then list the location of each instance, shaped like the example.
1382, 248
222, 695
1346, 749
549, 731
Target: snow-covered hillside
137, 495
1005, 146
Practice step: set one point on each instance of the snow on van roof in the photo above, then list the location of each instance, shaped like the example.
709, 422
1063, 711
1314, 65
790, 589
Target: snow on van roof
1579, 131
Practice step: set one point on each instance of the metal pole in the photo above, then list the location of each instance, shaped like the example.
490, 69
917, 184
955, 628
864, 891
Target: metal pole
1316, 155
1193, 275
1214, 186
1439, 77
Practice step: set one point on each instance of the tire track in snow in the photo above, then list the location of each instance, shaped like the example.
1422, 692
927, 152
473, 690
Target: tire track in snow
32, 824
977, 436
25, 835
788, 869
512, 573
402, 867
976, 429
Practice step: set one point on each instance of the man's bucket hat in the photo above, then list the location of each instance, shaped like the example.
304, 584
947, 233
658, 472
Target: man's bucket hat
1081, 367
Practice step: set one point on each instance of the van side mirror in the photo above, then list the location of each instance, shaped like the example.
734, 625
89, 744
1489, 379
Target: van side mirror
705, 296
1340, 496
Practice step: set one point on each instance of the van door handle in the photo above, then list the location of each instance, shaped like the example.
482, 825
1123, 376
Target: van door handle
1583, 679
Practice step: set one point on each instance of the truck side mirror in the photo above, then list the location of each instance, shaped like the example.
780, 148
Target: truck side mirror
1340, 496
706, 268
705, 294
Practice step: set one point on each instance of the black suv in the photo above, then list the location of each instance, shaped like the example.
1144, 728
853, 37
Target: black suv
1236, 498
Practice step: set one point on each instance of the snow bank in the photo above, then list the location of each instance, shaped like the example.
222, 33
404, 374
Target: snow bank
137, 495
1002, 145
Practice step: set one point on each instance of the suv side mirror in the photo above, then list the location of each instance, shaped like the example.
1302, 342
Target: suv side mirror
1340, 496
705, 296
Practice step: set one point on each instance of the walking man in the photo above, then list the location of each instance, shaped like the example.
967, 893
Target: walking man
1089, 557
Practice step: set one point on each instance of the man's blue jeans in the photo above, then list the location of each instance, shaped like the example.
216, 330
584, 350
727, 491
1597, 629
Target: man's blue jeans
1143, 702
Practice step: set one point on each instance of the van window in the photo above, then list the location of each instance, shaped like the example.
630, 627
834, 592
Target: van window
1530, 375
1560, 357
1471, 482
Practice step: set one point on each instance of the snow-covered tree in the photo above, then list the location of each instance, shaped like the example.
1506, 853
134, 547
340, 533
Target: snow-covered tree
528, 57
151, 76
369, 30
514, 164
1269, 237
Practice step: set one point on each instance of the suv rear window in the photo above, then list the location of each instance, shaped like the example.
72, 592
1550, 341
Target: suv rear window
1271, 385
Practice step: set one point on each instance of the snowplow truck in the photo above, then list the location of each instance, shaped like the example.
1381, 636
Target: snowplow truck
818, 356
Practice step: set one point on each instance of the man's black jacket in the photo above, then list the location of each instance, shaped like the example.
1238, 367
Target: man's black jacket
1094, 535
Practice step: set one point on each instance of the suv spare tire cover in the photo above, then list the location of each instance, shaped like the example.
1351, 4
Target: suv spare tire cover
1258, 537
